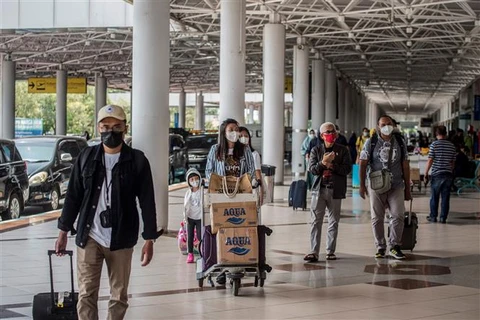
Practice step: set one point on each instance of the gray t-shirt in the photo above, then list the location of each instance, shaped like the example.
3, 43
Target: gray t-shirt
380, 159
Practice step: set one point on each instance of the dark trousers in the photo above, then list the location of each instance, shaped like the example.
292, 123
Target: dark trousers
191, 224
441, 185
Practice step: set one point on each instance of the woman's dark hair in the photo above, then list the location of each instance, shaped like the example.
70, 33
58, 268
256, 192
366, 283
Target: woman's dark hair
222, 150
365, 128
240, 129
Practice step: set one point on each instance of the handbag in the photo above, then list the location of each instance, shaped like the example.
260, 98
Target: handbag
381, 180
229, 185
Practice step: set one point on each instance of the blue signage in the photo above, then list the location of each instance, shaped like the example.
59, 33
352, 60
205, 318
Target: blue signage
176, 119
28, 127
476, 109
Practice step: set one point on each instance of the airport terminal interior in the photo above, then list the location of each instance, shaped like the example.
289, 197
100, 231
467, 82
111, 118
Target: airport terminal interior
280, 67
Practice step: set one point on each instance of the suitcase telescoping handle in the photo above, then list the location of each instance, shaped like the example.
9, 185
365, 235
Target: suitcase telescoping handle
52, 294
410, 213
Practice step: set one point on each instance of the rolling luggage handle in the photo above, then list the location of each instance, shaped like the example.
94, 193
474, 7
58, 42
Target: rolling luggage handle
410, 213
52, 292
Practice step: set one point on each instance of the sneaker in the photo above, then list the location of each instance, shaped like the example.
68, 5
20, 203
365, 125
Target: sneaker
430, 219
380, 254
397, 253
190, 258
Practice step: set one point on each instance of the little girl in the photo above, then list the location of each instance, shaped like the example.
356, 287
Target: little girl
193, 209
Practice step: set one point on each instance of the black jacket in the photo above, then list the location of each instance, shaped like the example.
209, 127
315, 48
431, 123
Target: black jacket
342, 165
131, 178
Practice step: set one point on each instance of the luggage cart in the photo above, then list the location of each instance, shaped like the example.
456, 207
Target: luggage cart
233, 272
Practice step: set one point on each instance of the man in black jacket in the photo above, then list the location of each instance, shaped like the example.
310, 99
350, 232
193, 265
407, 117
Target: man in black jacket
106, 181
330, 163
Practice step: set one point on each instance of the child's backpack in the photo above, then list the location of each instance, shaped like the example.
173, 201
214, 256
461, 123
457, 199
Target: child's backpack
182, 239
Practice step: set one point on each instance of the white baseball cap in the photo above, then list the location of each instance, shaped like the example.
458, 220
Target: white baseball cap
111, 111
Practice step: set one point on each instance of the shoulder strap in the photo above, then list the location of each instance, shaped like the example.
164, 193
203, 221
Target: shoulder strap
373, 143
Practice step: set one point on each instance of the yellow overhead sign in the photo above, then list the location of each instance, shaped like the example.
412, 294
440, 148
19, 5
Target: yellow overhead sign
49, 85
288, 85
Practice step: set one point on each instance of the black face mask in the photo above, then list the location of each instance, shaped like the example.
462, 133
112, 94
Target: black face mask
112, 139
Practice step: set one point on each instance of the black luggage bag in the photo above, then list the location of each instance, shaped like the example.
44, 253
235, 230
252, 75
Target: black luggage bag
409, 236
49, 305
297, 195
263, 232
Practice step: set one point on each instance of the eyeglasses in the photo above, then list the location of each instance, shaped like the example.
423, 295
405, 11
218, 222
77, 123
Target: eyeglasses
329, 132
116, 128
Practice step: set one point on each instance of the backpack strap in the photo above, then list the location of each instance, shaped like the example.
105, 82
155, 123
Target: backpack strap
398, 137
373, 143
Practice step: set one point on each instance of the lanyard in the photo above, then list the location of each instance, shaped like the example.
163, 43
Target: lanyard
107, 185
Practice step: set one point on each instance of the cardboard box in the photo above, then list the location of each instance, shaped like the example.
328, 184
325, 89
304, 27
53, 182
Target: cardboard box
237, 245
415, 174
233, 215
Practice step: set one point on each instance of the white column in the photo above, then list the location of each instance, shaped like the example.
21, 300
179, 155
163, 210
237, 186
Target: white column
199, 113
318, 93
331, 96
341, 104
61, 110
151, 50
274, 97
232, 60
300, 106
100, 95
8, 100
182, 107
348, 111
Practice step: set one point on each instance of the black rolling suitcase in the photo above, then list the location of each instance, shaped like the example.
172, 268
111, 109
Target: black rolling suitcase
409, 236
299, 195
56, 305
263, 232
291, 191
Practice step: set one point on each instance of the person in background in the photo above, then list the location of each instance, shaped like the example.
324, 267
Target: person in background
246, 139
361, 140
376, 159
229, 157
441, 159
330, 163
86, 135
305, 152
193, 209
341, 138
458, 139
352, 147
105, 184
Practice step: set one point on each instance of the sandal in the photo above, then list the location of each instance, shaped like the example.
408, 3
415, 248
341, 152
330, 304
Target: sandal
330, 256
311, 257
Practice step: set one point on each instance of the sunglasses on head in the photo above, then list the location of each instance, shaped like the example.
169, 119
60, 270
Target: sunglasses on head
329, 132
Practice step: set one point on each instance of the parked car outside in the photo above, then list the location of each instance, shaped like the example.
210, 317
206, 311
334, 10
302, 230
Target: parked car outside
198, 148
178, 158
13, 181
49, 165
178, 155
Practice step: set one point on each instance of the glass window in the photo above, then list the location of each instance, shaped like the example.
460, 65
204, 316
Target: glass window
34, 151
70, 147
8, 152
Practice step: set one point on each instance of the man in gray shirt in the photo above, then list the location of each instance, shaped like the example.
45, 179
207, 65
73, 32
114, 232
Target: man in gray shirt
375, 159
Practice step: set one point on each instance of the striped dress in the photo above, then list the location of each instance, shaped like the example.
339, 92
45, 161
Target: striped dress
247, 164
443, 154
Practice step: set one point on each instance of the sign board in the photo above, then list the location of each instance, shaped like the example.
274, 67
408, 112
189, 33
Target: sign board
465, 116
49, 85
426, 122
288, 85
28, 127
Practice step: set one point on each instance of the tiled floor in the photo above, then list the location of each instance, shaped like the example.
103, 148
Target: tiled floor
439, 280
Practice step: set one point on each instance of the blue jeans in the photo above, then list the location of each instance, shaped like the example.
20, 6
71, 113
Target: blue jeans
441, 185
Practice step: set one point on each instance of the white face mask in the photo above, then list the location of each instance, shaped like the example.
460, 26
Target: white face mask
386, 130
365, 134
311, 136
244, 140
232, 136
194, 183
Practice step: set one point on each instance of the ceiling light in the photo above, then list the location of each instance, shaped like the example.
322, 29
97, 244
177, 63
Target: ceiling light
450, 67
205, 38
409, 30
351, 35
112, 35
409, 43
45, 55
64, 49
409, 62
455, 59
468, 39
193, 62
477, 23
263, 7
357, 47
120, 51
261, 44
363, 56
313, 50
367, 64
173, 42
87, 43
409, 69
27, 60
341, 18
214, 15
409, 54
460, 51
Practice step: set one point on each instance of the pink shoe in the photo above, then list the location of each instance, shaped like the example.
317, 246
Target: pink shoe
190, 258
